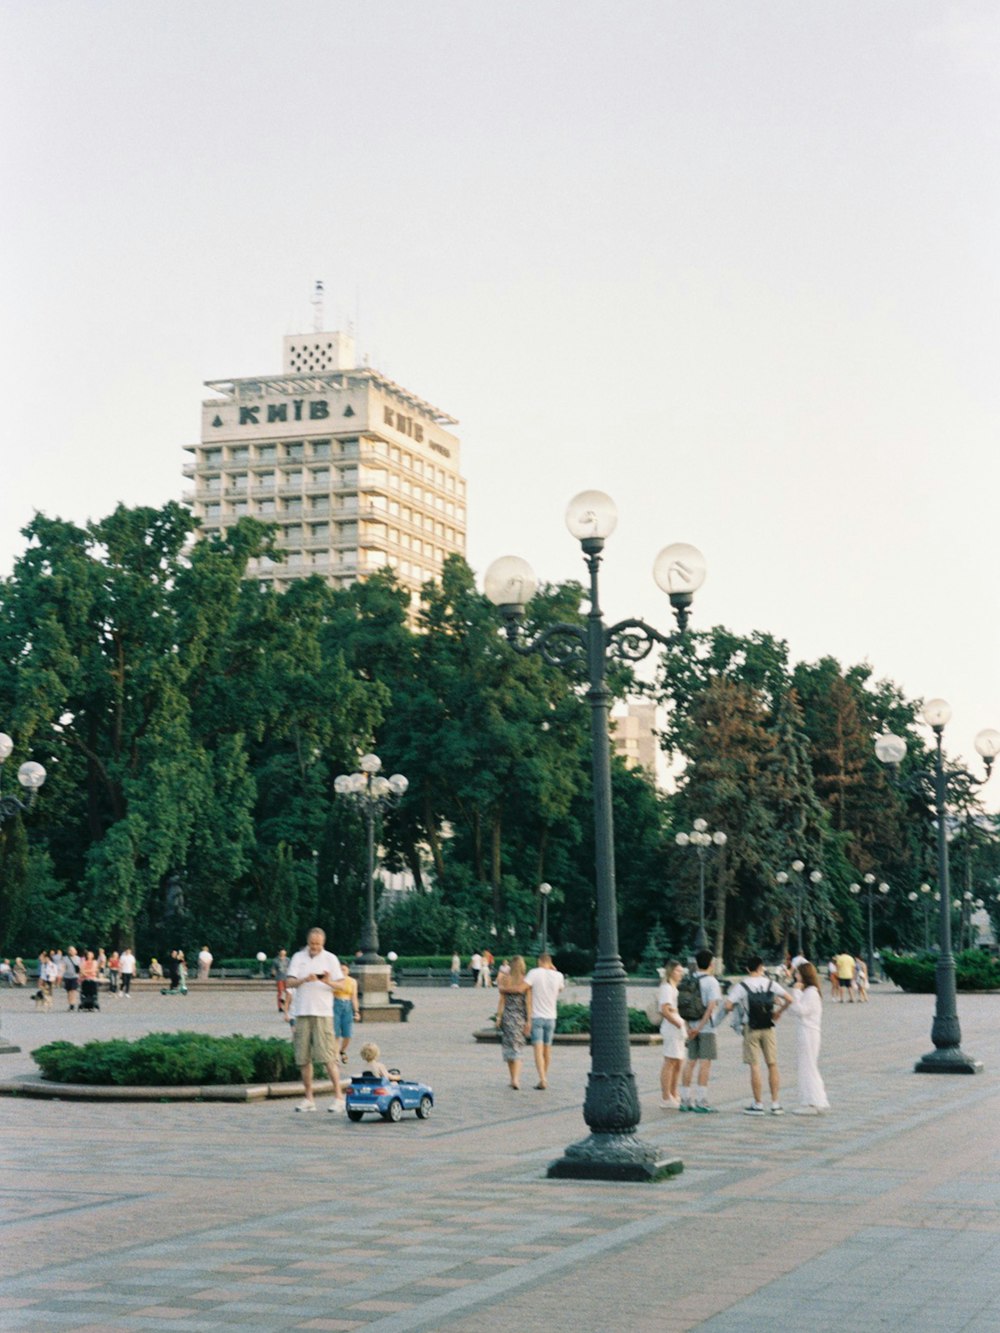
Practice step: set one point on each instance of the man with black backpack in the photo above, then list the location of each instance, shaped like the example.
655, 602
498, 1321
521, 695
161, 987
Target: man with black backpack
761, 1002
699, 1002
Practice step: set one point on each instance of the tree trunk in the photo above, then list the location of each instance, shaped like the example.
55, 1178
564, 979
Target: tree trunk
495, 861
434, 840
721, 892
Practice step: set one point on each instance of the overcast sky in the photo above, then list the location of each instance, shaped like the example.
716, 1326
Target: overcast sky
734, 263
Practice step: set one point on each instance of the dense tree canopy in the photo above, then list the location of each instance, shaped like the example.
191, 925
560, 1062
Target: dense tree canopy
193, 722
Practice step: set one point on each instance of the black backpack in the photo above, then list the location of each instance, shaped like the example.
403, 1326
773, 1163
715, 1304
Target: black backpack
690, 1005
760, 1008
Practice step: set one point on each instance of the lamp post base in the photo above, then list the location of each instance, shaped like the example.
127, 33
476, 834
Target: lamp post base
613, 1157
949, 1060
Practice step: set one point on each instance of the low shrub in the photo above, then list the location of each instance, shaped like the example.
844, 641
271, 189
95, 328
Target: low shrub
915, 973
574, 962
169, 1059
576, 1018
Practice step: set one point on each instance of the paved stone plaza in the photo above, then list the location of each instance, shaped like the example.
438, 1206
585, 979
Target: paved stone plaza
882, 1215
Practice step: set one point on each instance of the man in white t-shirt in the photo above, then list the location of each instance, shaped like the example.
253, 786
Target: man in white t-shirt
126, 971
758, 1031
546, 982
312, 974
701, 1043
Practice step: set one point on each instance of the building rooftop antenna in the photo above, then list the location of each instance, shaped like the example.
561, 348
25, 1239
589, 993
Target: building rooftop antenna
317, 304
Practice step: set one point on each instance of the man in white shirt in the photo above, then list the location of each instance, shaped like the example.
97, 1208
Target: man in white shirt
546, 982
205, 961
126, 971
701, 1043
759, 1017
312, 974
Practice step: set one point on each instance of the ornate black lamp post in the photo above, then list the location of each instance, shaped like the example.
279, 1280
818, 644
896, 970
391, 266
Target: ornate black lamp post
31, 776
869, 892
371, 794
947, 1056
815, 877
924, 898
545, 890
611, 1107
701, 840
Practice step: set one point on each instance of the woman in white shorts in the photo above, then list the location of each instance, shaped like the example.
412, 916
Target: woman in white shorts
673, 1030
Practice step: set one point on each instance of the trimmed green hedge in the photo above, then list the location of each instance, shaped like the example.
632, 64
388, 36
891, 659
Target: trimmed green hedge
974, 970
169, 1059
576, 1018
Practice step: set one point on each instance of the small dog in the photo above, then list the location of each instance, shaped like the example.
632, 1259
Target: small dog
42, 999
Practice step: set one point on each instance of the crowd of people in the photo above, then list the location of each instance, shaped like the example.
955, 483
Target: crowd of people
80, 975
318, 996
691, 1006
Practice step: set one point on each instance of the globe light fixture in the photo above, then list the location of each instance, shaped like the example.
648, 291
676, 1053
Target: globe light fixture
510, 583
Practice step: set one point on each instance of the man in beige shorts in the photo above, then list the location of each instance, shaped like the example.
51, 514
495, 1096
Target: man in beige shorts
312, 974
762, 1002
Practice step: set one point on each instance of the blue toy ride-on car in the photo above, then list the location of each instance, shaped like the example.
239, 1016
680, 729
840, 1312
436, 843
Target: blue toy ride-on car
389, 1097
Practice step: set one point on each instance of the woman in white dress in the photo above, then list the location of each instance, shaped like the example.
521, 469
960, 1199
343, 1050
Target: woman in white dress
673, 1030
807, 1007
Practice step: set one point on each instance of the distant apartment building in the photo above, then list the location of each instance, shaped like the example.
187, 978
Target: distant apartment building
634, 734
357, 472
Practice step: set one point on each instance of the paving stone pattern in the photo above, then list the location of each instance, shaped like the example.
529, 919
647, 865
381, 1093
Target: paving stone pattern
883, 1213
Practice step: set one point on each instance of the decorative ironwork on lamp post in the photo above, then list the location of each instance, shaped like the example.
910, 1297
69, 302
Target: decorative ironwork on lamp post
371, 794
701, 840
946, 1034
783, 877
869, 892
611, 1106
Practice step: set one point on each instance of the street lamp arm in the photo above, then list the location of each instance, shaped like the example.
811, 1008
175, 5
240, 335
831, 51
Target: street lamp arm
633, 640
558, 645
11, 806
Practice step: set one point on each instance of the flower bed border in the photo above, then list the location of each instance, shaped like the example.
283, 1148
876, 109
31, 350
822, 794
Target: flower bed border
575, 1038
29, 1085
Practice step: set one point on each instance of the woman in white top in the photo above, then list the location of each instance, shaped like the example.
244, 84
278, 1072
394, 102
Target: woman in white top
674, 1033
807, 1006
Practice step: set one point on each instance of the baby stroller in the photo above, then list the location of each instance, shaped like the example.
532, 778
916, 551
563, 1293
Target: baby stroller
88, 996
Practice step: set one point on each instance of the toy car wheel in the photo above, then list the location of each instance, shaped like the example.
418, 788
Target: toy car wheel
424, 1109
355, 1115
394, 1111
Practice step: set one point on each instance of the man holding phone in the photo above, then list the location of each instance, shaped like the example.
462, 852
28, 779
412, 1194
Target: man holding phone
312, 974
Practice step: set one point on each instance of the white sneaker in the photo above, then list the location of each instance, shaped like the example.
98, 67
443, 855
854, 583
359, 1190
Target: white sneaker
669, 1103
337, 1106
306, 1105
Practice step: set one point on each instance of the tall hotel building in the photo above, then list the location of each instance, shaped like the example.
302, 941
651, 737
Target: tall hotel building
357, 472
